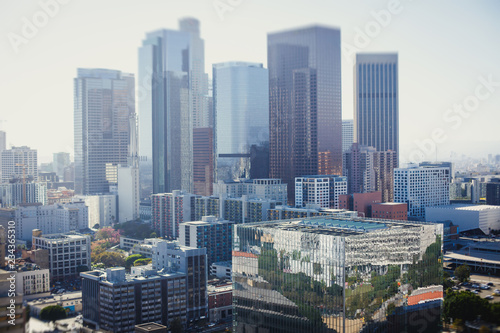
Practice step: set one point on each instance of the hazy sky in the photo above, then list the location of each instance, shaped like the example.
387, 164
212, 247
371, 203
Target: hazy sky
448, 52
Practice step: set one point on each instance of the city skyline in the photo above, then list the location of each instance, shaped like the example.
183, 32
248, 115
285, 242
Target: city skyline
431, 59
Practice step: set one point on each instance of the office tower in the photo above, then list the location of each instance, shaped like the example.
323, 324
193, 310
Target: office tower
272, 189
319, 190
19, 164
57, 218
102, 209
191, 261
60, 161
347, 134
104, 103
305, 123
327, 274
116, 302
68, 253
14, 194
203, 160
421, 187
376, 101
128, 180
383, 164
169, 210
173, 100
241, 107
440, 165
493, 192
211, 233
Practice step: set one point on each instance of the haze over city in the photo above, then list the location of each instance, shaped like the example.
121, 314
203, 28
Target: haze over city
446, 50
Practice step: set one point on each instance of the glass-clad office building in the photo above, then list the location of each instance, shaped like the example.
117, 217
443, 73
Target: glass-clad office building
376, 116
241, 107
305, 110
328, 274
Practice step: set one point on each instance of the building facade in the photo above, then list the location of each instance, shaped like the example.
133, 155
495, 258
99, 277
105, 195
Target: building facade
19, 163
305, 118
328, 274
347, 135
210, 233
421, 187
272, 189
14, 194
376, 101
390, 210
174, 101
68, 253
203, 160
319, 190
104, 101
241, 107
169, 210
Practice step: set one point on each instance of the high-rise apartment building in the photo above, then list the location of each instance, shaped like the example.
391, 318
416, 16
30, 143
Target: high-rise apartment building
14, 194
241, 107
376, 101
421, 187
327, 274
169, 210
211, 233
104, 101
319, 190
305, 121
174, 100
3, 146
384, 163
19, 163
358, 168
191, 261
347, 134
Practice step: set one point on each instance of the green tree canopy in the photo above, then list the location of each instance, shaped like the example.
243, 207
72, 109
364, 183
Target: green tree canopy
110, 259
462, 273
142, 261
53, 312
130, 259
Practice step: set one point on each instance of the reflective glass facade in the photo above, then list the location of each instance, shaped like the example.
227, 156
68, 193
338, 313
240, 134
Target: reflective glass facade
326, 274
173, 99
241, 106
376, 116
104, 102
305, 120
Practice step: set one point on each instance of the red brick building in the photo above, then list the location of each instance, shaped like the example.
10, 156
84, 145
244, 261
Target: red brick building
360, 202
390, 210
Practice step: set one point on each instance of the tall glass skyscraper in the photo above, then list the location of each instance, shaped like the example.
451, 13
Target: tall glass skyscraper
104, 101
376, 99
241, 106
173, 91
305, 123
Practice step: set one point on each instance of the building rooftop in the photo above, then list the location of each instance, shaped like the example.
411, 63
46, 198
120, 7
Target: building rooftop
336, 226
468, 207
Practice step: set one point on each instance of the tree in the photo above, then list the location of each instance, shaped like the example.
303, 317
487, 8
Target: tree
153, 235
465, 306
131, 259
142, 261
96, 226
110, 259
53, 312
176, 326
462, 273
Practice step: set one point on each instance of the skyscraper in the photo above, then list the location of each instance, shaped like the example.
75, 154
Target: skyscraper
376, 101
305, 125
173, 99
103, 105
3, 146
60, 161
347, 134
241, 106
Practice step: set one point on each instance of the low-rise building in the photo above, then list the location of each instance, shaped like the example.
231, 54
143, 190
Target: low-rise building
221, 270
68, 253
71, 301
220, 301
390, 211
467, 217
